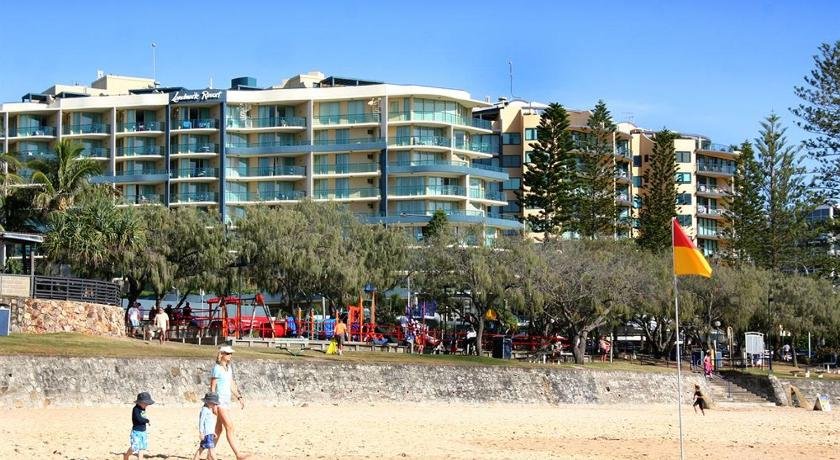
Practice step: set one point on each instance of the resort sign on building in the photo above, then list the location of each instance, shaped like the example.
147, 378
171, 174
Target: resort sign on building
196, 96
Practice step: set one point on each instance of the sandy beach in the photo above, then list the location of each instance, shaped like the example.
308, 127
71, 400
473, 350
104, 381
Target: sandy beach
433, 431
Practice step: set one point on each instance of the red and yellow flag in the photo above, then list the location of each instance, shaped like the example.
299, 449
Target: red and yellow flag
688, 260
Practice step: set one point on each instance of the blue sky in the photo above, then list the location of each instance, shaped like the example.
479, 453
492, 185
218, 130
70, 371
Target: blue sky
715, 68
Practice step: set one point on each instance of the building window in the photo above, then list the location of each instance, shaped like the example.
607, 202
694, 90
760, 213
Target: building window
514, 183
684, 199
637, 181
684, 220
683, 178
683, 157
528, 154
511, 138
637, 202
530, 134
637, 161
511, 161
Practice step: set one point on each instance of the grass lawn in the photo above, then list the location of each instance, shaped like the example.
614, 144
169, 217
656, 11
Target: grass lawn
78, 345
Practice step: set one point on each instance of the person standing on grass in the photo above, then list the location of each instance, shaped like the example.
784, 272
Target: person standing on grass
133, 318
340, 333
223, 384
162, 324
699, 401
139, 440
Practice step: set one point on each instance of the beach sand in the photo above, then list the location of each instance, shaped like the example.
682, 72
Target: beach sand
351, 431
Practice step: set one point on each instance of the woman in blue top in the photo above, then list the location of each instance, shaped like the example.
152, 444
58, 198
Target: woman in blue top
221, 382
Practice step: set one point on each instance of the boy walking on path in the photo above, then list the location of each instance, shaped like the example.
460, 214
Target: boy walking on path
207, 426
139, 439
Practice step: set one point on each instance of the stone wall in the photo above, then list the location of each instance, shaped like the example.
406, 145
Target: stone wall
39, 316
36, 382
812, 387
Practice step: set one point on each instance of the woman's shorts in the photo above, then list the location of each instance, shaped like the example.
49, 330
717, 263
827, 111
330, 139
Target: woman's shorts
139, 441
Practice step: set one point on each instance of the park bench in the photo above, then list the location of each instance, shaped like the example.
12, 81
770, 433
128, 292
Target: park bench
292, 344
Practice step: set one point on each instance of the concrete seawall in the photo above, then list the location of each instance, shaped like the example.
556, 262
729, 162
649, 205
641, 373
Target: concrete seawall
55, 381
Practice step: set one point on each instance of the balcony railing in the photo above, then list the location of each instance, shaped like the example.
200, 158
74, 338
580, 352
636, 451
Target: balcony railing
707, 189
139, 150
347, 119
433, 190
269, 171
189, 173
716, 168
278, 195
432, 141
443, 117
346, 193
476, 147
150, 198
196, 148
464, 164
350, 168
139, 172
34, 131
26, 155
90, 128
710, 211
195, 197
96, 152
136, 127
346, 141
267, 122
712, 147
621, 174
197, 123
257, 145
480, 194
622, 197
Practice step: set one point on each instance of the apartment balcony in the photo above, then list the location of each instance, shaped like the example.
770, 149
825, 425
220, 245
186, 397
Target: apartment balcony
266, 122
714, 192
442, 118
265, 197
141, 127
710, 213
195, 174
366, 193
34, 131
133, 176
717, 235
195, 198
453, 216
424, 141
371, 168
269, 148
195, 150
622, 176
196, 124
715, 170
151, 198
623, 199
346, 119
623, 153
87, 129
719, 148
102, 153
267, 172
140, 151
349, 145
479, 194
451, 167
427, 191
35, 154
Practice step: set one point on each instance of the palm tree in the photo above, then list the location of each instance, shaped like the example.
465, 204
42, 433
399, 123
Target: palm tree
9, 166
63, 178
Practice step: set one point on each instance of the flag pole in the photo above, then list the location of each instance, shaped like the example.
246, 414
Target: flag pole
679, 360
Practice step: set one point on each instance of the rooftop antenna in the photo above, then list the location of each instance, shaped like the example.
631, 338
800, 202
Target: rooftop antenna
210, 84
510, 73
154, 64
629, 117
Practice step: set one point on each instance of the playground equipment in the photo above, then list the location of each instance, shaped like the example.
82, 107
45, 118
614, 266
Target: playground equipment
243, 315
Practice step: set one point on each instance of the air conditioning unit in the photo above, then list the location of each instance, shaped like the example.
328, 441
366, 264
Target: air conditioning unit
370, 132
370, 156
370, 181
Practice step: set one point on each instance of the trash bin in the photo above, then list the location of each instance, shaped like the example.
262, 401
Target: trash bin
502, 347
718, 360
5, 316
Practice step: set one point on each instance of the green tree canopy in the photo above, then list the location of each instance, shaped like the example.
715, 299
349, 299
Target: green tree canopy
659, 196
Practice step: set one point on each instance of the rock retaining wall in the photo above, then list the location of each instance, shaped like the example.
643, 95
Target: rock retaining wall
36, 382
39, 316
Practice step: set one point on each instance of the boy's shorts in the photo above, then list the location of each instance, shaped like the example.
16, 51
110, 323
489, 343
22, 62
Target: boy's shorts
139, 441
208, 442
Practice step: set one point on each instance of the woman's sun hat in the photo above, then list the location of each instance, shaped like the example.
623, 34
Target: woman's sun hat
226, 349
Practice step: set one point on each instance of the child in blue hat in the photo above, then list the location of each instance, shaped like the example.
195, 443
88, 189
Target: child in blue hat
139, 439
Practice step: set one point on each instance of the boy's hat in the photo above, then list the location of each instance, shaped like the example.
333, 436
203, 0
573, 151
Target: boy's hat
145, 398
211, 398
226, 349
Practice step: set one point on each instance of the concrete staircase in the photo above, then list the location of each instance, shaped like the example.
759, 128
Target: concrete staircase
728, 394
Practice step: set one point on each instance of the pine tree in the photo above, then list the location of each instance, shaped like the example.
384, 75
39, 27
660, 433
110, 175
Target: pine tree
785, 195
548, 189
820, 115
595, 210
659, 198
745, 226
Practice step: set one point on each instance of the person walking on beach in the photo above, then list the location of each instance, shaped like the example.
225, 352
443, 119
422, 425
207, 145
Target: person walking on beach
223, 384
139, 440
699, 401
207, 426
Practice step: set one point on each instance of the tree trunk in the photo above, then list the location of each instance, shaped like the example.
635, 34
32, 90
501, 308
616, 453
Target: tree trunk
134, 290
793, 349
480, 334
579, 348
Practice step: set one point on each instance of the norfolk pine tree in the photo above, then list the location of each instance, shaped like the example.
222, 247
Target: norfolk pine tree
660, 194
746, 224
547, 175
595, 210
820, 116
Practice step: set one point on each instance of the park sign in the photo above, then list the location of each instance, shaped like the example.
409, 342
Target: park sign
196, 96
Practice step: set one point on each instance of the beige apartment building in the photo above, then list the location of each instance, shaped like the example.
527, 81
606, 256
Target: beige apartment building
393, 154
704, 178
